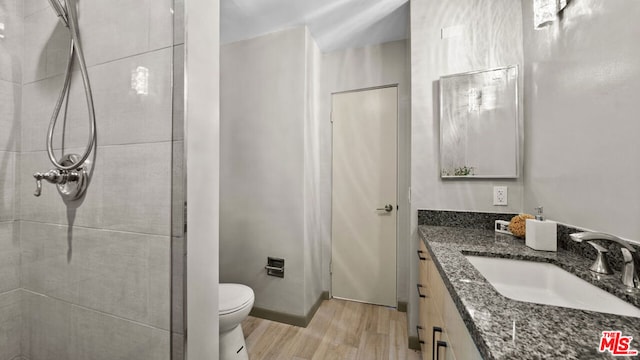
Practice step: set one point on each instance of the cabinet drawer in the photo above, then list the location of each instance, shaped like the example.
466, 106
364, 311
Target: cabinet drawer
438, 311
423, 253
444, 352
436, 288
460, 342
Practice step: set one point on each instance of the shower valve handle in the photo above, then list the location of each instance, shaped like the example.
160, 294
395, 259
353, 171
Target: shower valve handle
71, 184
54, 176
38, 185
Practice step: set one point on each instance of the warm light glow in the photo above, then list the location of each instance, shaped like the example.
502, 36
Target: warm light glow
140, 80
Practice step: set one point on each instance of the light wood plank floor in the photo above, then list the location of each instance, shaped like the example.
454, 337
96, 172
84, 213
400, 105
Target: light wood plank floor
339, 330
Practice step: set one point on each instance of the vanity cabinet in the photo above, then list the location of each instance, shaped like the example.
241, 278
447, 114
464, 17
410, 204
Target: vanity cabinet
441, 331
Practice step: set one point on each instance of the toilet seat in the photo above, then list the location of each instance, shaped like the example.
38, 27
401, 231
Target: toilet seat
233, 298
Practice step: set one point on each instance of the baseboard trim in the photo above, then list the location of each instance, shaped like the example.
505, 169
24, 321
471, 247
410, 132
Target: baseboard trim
402, 306
286, 318
315, 307
414, 343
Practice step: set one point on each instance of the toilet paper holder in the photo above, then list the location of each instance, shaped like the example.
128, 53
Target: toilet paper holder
275, 267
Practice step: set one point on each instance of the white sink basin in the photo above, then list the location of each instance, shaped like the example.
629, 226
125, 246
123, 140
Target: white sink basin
544, 283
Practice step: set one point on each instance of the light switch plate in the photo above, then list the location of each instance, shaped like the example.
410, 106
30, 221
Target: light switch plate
500, 196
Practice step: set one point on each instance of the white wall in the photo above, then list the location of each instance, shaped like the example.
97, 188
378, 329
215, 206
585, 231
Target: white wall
582, 86
203, 175
361, 68
491, 37
269, 168
313, 187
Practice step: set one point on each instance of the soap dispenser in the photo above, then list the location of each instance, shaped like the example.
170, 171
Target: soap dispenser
541, 234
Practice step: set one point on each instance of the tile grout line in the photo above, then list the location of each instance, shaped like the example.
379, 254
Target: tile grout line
95, 310
103, 63
94, 228
107, 146
10, 291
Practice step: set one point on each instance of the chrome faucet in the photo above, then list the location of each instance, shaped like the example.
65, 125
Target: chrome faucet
631, 270
54, 176
71, 183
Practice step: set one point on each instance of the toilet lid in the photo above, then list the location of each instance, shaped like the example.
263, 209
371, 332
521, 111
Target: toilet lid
233, 297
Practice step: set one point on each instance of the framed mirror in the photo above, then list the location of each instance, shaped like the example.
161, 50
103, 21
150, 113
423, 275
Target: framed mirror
479, 124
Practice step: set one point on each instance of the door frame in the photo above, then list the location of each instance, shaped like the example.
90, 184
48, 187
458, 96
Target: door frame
401, 213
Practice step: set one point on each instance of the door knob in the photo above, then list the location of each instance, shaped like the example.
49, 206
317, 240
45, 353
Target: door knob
387, 208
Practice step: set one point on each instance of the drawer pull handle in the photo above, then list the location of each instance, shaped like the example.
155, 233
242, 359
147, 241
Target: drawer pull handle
433, 339
418, 286
440, 344
418, 328
420, 252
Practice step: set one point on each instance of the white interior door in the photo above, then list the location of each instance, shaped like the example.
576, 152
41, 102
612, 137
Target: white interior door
364, 182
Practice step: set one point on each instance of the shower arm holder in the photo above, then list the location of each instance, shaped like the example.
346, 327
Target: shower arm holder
71, 184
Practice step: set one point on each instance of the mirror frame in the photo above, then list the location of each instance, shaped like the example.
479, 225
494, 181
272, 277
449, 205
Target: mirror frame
516, 120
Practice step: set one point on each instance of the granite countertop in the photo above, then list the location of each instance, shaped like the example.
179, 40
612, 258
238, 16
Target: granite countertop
508, 329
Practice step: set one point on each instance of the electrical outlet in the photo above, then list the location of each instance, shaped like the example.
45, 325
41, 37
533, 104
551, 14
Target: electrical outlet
500, 197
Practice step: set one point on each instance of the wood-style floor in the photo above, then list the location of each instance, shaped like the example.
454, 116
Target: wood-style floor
339, 330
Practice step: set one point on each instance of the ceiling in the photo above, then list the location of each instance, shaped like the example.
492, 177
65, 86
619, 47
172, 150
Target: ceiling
334, 24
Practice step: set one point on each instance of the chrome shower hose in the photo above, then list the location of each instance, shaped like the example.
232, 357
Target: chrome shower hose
69, 17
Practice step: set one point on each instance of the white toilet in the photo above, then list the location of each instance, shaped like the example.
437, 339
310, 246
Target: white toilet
236, 301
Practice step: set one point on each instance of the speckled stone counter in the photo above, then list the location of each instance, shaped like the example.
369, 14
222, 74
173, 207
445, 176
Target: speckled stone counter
508, 329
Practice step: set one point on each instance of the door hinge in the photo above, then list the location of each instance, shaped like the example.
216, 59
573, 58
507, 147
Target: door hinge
330, 267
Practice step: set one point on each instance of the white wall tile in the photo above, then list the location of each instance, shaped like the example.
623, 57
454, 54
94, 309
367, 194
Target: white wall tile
116, 29
142, 203
32, 6
161, 24
9, 257
125, 116
130, 190
99, 337
122, 115
10, 104
47, 331
118, 273
7, 185
43, 35
59, 330
38, 101
159, 284
110, 30
10, 324
11, 42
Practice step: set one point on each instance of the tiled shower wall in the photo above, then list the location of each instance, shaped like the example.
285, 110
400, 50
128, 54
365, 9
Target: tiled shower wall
89, 279
10, 98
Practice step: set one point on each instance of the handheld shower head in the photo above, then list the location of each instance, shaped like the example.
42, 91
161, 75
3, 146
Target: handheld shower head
60, 10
